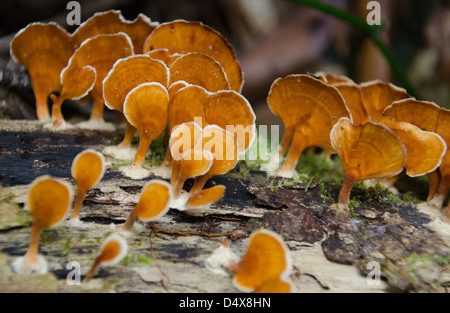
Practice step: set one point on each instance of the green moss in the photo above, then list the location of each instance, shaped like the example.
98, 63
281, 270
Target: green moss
117, 166
135, 259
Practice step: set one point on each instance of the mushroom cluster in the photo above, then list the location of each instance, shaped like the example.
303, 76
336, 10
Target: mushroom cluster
377, 130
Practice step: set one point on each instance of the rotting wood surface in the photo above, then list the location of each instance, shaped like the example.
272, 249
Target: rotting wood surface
330, 252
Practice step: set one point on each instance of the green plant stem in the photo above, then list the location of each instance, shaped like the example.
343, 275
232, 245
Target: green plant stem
373, 32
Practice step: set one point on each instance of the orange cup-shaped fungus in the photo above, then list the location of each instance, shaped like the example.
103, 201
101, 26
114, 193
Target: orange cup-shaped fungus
309, 109
266, 263
49, 201
224, 148
366, 151
112, 22
44, 50
201, 70
100, 52
88, 168
377, 95
424, 150
114, 248
153, 203
126, 74
183, 37
145, 108
232, 112
76, 83
205, 197
429, 117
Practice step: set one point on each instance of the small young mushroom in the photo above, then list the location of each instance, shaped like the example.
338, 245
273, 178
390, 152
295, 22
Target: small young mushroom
266, 263
183, 37
199, 69
205, 197
49, 201
76, 83
377, 95
224, 148
88, 168
112, 22
126, 74
366, 151
145, 108
114, 248
100, 52
428, 116
309, 109
153, 203
44, 50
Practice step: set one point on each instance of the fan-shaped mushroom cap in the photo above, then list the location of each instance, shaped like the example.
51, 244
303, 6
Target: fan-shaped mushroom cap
113, 249
267, 259
377, 95
309, 109
145, 108
183, 37
332, 79
49, 200
129, 72
201, 70
351, 93
232, 112
206, 196
88, 168
175, 87
164, 56
187, 105
366, 151
44, 50
153, 203
101, 52
112, 22
76, 83
424, 150
429, 117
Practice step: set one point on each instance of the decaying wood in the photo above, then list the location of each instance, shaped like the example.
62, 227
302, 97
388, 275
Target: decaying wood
330, 252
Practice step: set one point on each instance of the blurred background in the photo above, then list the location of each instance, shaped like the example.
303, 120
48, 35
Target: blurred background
273, 38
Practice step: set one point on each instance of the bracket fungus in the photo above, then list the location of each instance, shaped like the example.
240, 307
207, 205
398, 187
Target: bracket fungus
49, 201
163, 55
100, 52
112, 22
44, 50
351, 93
114, 248
76, 83
183, 37
266, 265
424, 150
126, 74
308, 108
377, 95
224, 148
88, 168
199, 69
145, 108
366, 151
153, 203
428, 116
